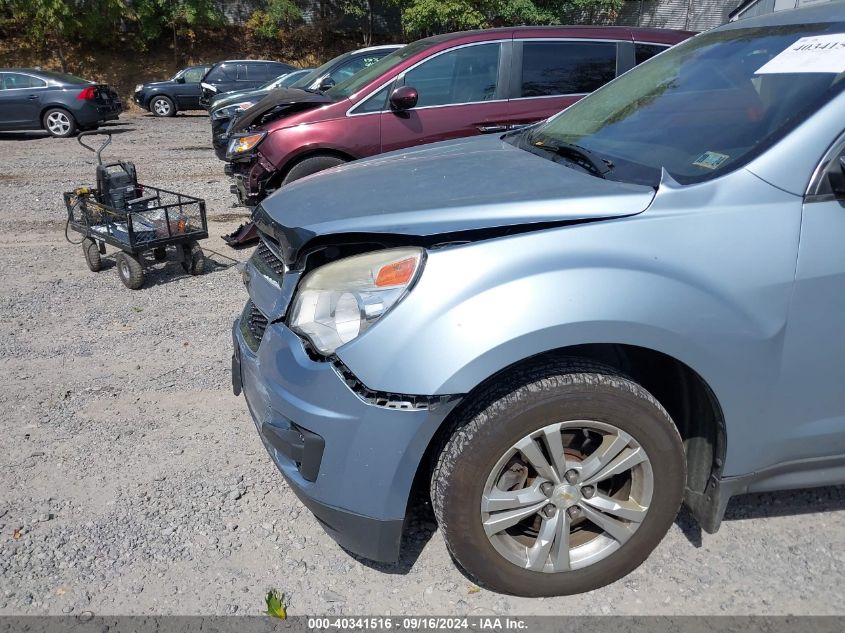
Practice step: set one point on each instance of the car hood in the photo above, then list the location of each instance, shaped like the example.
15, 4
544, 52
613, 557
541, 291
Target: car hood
455, 188
159, 84
278, 103
228, 98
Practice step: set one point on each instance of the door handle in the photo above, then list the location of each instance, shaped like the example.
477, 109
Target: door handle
32, 97
492, 129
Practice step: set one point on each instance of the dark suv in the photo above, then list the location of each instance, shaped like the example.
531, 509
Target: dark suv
181, 92
442, 87
239, 74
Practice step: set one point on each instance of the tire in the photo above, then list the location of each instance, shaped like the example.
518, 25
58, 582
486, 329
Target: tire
594, 411
160, 254
130, 270
193, 261
92, 255
310, 166
59, 123
162, 106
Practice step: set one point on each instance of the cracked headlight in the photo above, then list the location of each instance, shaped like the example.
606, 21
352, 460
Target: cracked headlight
338, 302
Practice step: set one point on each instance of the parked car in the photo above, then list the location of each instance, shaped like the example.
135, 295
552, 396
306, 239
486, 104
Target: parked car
181, 92
447, 86
228, 106
59, 103
282, 81
563, 332
239, 74
322, 78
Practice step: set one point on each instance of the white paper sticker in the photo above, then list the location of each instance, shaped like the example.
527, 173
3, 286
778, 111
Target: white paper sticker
816, 54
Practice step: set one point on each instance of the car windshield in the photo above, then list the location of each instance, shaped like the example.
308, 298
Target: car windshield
701, 109
360, 79
306, 80
273, 83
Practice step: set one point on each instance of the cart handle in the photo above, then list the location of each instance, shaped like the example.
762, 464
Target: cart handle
88, 147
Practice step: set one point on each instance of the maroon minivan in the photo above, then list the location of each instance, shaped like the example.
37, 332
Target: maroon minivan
441, 87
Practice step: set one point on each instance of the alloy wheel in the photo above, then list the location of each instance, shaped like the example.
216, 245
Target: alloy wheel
58, 123
566, 496
161, 107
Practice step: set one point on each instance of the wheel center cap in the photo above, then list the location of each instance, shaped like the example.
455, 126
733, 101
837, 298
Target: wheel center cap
566, 495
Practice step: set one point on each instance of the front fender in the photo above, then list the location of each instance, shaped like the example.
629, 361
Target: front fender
707, 285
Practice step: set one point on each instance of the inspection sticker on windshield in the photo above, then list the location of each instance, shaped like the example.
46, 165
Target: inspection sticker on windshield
711, 160
815, 54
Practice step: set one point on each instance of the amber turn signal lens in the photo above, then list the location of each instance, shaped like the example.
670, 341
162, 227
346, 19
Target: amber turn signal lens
397, 273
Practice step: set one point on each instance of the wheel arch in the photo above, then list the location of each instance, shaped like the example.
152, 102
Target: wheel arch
310, 152
682, 391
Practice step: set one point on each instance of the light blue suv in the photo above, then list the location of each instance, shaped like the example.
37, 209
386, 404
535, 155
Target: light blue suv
564, 332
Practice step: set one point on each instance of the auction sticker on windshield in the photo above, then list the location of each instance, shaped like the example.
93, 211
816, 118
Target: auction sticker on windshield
815, 54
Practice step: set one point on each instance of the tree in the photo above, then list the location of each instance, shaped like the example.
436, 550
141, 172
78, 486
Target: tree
54, 23
154, 17
275, 15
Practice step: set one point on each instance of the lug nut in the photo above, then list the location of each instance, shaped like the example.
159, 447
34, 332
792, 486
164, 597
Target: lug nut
574, 512
588, 491
546, 488
549, 511
571, 476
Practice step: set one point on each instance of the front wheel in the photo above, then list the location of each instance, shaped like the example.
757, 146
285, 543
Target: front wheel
162, 106
130, 270
193, 259
558, 480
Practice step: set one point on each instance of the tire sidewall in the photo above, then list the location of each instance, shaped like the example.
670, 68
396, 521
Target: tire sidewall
71, 130
528, 412
171, 107
310, 166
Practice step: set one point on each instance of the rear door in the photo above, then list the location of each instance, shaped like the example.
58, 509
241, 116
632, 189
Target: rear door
20, 100
461, 93
224, 76
188, 93
549, 75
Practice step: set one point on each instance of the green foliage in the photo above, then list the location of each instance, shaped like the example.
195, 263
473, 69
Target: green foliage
275, 15
54, 21
275, 602
154, 18
426, 17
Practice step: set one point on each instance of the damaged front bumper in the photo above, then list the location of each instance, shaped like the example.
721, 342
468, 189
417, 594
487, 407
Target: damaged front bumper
351, 461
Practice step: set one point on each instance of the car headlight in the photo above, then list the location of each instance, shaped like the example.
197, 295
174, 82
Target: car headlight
338, 302
241, 145
232, 110
139, 87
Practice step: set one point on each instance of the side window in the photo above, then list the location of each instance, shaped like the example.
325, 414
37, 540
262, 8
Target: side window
224, 72
265, 72
464, 75
377, 102
559, 68
193, 75
15, 80
644, 52
243, 71
348, 69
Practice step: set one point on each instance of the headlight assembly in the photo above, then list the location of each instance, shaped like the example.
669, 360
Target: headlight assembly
232, 110
240, 145
139, 87
338, 302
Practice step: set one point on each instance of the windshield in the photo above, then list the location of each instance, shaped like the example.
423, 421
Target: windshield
360, 79
306, 80
701, 109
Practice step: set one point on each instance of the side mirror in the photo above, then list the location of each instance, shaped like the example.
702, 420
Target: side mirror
326, 83
404, 98
836, 177
180, 80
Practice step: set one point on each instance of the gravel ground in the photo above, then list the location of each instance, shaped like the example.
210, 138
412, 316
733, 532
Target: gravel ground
133, 481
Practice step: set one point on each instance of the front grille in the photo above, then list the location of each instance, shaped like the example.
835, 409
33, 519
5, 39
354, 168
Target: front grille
256, 322
275, 264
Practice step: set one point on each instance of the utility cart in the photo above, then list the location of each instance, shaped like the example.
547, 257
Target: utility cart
134, 218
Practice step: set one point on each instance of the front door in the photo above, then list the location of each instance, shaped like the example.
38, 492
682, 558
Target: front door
20, 100
461, 93
812, 406
188, 91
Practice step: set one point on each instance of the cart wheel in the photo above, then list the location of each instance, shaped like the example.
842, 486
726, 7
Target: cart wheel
193, 258
160, 254
130, 270
92, 255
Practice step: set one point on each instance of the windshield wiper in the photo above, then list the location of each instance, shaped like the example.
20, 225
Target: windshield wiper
582, 157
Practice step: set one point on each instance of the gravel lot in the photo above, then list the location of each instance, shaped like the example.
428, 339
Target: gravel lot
133, 481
